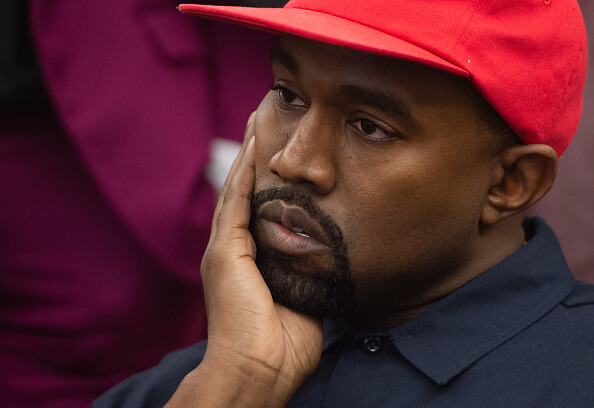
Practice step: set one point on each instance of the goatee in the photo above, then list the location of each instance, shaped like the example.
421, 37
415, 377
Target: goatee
323, 294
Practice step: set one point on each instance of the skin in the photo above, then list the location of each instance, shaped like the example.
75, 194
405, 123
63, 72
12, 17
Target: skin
423, 205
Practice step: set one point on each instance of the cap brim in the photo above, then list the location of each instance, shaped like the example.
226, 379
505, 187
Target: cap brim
325, 28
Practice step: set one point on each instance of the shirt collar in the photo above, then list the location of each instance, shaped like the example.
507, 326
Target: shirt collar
334, 331
461, 328
458, 330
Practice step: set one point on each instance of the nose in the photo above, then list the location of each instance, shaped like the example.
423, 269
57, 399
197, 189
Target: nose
309, 154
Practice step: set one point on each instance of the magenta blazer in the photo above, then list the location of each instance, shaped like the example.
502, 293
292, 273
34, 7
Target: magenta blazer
135, 87
104, 207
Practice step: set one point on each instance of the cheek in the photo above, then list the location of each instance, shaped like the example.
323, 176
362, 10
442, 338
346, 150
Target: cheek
381, 226
271, 137
396, 219
274, 127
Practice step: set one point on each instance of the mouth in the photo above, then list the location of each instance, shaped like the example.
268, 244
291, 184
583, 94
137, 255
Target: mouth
290, 229
299, 231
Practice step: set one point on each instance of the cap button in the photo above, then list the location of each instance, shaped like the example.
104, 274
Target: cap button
372, 344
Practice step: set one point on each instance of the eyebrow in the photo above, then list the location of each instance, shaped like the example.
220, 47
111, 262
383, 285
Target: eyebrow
381, 101
279, 55
375, 98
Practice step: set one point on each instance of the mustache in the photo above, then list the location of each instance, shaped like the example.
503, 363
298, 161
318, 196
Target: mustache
307, 203
329, 293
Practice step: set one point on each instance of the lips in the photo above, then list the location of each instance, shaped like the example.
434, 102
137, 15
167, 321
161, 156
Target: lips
290, 229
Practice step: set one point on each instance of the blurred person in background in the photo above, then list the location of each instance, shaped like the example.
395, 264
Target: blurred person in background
108, 111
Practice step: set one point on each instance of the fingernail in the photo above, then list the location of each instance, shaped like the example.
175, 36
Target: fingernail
251, 118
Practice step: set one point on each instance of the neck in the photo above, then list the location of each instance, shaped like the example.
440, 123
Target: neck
491, 246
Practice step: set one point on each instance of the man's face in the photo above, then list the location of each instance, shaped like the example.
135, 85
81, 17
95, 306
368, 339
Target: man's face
377, 166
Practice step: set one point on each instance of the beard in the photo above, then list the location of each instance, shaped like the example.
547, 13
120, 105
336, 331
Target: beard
327, 293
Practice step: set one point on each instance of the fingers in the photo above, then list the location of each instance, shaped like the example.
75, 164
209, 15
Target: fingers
235, 197
231, 238
249, 129
249, 133
238, 194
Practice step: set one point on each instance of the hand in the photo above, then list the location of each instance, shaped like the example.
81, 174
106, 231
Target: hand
258, 352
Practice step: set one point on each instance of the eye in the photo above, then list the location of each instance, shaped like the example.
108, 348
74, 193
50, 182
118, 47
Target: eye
372, 130
287, 97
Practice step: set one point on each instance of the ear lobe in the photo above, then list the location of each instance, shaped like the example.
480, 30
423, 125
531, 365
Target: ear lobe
529, 172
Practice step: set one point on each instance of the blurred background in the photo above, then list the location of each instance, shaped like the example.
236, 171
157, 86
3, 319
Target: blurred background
118, 122
569, 206
116, 118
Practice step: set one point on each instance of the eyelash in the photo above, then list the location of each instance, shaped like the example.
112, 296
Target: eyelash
279, 89
389, 135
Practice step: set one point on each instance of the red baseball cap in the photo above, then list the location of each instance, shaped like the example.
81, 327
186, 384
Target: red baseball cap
527, 58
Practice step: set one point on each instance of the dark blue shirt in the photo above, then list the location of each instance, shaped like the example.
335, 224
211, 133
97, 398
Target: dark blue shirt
519, 335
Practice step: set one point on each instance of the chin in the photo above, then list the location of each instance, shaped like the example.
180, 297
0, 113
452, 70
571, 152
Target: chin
322, 295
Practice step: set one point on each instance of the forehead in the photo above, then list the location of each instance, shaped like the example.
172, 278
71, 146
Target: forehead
439, 103
326, 67
304, 56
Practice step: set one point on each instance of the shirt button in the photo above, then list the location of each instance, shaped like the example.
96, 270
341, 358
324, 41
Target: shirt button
373, 345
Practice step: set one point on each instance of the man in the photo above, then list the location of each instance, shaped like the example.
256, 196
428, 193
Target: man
382, 186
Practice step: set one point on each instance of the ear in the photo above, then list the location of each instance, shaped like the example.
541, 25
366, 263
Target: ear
524, 174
